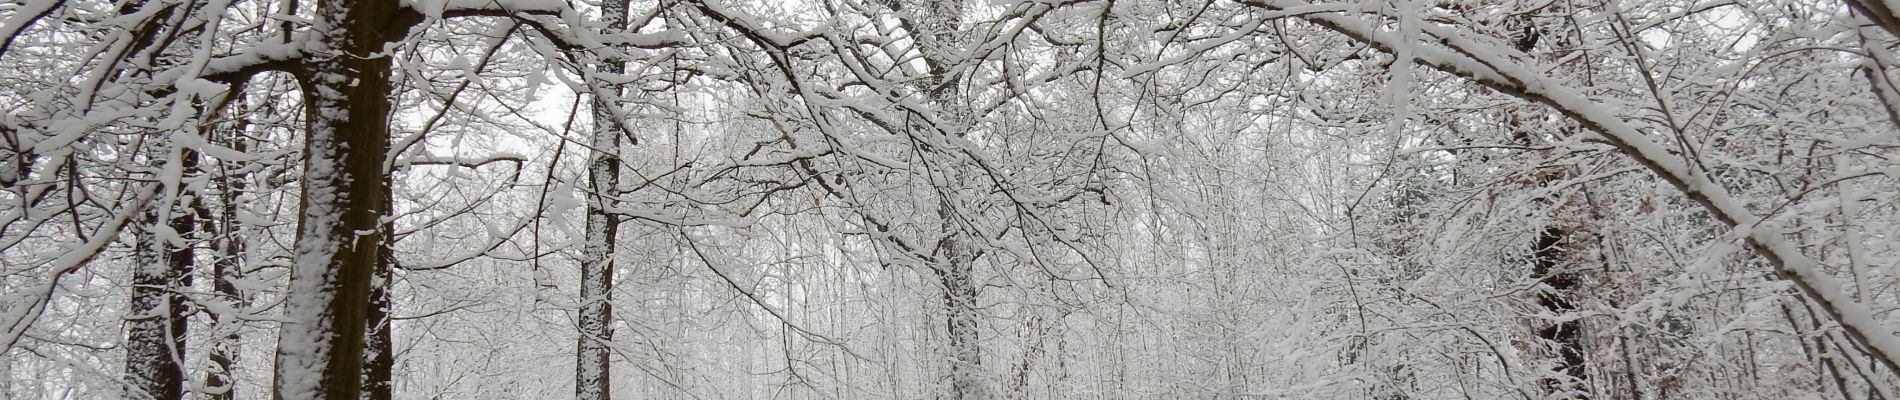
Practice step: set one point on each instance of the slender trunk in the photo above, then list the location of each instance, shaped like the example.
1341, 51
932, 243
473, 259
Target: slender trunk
934, 25
596, 288
156, 327
959, 297
592, 376
227, 268
339, 236
220, 382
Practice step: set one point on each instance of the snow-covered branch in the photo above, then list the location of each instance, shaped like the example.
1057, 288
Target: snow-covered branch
1456, 52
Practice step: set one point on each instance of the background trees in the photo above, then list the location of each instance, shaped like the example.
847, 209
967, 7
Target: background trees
944, 199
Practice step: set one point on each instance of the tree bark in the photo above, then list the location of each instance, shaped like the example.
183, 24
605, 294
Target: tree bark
1567, 335
959, 298
156, 327
156, 321
592, 373
339, 236
934, 24
1550, 262
220, 382
379, 357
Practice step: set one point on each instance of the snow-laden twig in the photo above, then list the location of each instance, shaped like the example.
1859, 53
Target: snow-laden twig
21, 314
1494, 66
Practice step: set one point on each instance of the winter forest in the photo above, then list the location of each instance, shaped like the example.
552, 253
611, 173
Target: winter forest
950, 199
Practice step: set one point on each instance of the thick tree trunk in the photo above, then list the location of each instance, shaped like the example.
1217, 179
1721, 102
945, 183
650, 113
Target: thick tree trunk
379, 357
592, 375
156, 326
1566, 336
339, 236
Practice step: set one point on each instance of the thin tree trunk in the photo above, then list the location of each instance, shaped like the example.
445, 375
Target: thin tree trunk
959, 297
592, 375
339, 236
933, 24
221, 382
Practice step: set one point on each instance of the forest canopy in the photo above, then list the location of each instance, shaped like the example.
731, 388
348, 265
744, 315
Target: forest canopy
948, 199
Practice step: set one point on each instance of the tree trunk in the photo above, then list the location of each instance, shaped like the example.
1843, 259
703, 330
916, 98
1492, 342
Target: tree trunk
156, 327
956, 272
934, 25
379, 357
1566, 336
220, 382
1550, 265
156, 316
339, 236
959, 298
592, 376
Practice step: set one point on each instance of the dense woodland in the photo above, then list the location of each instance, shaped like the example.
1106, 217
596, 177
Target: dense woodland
944, 199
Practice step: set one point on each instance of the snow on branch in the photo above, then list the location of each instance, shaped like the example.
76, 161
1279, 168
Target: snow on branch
440, 8
461, 161
1495, 66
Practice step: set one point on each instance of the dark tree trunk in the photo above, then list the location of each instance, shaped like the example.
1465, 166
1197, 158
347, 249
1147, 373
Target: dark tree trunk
157, 324
1551, 265
1566, 336
220, 382
379, 346
339, 232
934, 25
156, 317
592, 373
959, 297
